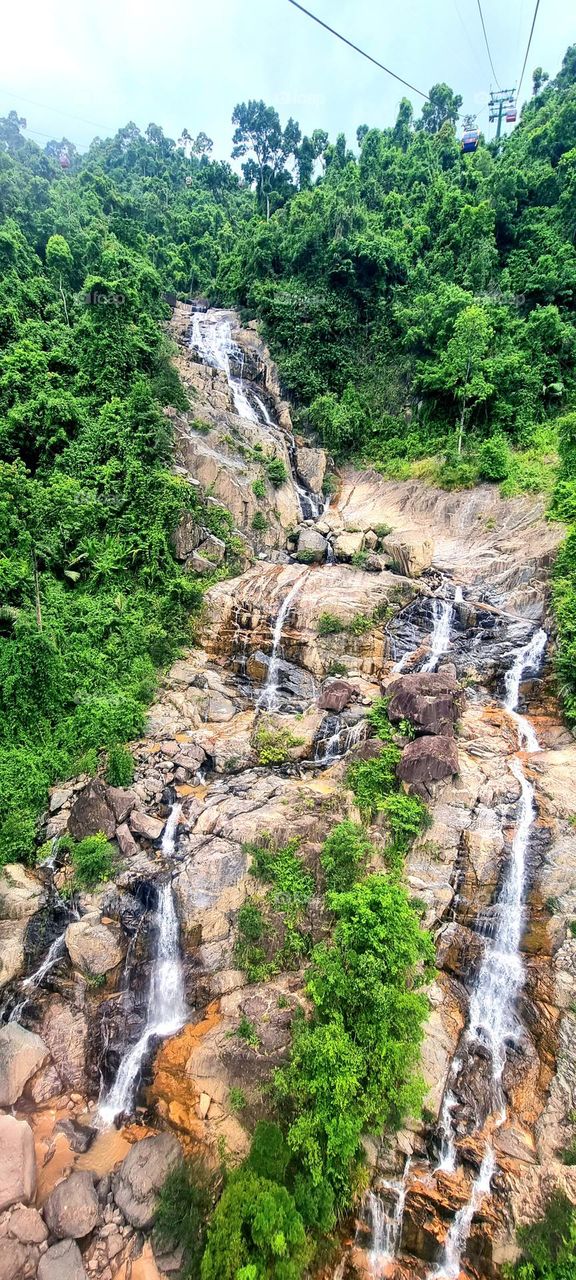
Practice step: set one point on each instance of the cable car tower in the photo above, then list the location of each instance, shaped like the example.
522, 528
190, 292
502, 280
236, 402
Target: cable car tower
502, 105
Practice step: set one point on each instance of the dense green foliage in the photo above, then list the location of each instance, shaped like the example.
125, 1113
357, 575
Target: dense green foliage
420, 300
92, 600
182, 1214
92, 859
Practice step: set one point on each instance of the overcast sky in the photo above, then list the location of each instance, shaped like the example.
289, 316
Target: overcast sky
84, 67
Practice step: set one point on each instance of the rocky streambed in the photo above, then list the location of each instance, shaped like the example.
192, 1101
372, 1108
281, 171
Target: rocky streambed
119, 1044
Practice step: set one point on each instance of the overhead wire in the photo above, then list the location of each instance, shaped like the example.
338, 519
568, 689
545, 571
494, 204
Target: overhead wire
487, 43
357, 49
537, 6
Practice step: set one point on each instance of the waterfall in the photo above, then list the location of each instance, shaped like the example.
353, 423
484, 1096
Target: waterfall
440, 637
268, 699
527, 659
344, 739
212, 339
386, 1213
450, 1266
168, 845
166, 1011
492, 1021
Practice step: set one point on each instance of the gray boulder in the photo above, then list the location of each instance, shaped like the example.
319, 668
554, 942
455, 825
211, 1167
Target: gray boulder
21, 1055
428, 760
62, 1262
311, 467
17, 1162
431, 700
142, 1174
93, 947
92, 813
72, 1208
313, 543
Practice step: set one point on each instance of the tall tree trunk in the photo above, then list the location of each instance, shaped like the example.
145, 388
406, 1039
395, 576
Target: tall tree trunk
463, 414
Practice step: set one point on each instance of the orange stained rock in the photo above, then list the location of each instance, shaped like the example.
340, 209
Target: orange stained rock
142, 1268
173, 1090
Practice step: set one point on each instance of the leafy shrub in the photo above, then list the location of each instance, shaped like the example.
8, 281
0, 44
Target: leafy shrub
93, 861
274, 745
119, 766
360, 624
337, 669
406, 816
269, 1152
329, 624
236, 1099
305, 556
249, 955
17, 838
247, 1031
373, 780
259, 522
276, 472
250, 921
256, 1232
184, 1208
378, 719
344, 854
280, 866
359, 559
329, 484
259, 488
494, 459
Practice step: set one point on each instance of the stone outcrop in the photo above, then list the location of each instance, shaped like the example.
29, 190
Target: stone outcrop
430, 700
311, 545
93, 947
72, 1208
142, 1174
21, 896
62, 1262
347, 545
65, 1032
17, 1162
311, 467
428, 760
408, 555
21, 1055
336, 695
92, 813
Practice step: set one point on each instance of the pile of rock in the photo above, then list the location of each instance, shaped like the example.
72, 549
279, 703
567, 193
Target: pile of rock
431, 701
370, 549
85, 1225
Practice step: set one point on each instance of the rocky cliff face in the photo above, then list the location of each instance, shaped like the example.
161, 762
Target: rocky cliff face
428, 597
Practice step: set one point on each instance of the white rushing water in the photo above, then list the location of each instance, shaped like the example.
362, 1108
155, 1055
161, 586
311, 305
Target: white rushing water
440, 637
166, 1011
386, 1213
268, 699
450, 1266
492, 1020
212, 339
168, 845
344, 739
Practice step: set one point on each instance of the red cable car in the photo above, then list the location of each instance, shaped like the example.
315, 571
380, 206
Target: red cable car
511, 115
64, 159
470, 140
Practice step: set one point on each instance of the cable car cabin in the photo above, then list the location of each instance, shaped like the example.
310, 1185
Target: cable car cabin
64, 159
511, 116
470, 140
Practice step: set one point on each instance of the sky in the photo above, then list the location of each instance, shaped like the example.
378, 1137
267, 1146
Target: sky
80, 68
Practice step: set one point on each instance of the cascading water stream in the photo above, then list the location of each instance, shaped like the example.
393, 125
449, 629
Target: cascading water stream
166, 1011
268, 699
440, 638
492, 1020
168, 846
344, 739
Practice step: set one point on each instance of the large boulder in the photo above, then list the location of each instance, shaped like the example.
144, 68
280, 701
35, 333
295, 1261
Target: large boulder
21, 896
143, 824
92, 812
313, 544
428, 760
311, 467
430, 700
65, 1032
348, 545
62, 1262
72, 1208
28, 1226
22, 1053
142, 1174
93, 947
409, 556
335, 695
17, 1162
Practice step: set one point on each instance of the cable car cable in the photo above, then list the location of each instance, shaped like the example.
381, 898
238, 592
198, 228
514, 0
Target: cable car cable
486, 42
528, 48
358, 50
